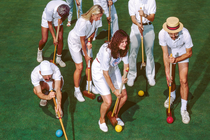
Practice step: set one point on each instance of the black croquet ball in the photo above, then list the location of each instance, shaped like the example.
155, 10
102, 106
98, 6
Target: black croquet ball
99, 99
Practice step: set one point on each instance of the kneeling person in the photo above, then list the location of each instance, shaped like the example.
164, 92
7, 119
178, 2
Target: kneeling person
47, 77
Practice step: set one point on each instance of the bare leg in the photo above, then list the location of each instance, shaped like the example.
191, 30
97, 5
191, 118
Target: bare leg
107, 101
60, 40
43, 41
77, 74
122, 101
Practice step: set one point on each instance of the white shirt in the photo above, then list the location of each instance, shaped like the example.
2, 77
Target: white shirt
148, 6
82, 28
50, 11
106, 60
36, 77
176, 47
104, 5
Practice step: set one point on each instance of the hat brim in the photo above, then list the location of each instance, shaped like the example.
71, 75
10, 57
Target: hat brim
173, 31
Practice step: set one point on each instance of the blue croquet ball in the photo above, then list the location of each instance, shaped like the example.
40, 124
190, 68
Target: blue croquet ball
59, 133
99, 99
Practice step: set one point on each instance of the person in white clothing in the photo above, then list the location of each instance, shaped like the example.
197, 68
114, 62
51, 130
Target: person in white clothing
147, 11
48, 82
106, 74
78, 44
176, 40
54, 13
78, 4
113, 19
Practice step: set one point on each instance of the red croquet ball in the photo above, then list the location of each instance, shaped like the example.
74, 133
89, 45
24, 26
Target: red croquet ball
170, 120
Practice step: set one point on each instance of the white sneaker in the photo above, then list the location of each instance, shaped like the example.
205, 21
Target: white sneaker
166, 103
43, 102
130, 82
79, 96
61, 114
103, 126
39, 56
60, 62
151, 81
68, 24
94, 90
120, 122
185, 116
94, 39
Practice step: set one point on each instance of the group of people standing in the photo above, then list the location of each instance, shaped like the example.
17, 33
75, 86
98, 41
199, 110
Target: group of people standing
105, 73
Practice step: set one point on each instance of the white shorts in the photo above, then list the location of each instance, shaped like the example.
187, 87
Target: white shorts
183, 61
99, 80
44, 22
77, 56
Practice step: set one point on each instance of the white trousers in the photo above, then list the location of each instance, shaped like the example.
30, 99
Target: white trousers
71, 5
135, 44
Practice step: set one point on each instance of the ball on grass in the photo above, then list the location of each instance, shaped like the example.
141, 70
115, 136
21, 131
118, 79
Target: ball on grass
141, 93
99, 99
118, 128
59, 133
170, 119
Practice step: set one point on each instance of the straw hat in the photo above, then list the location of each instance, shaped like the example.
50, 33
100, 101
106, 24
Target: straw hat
172, 25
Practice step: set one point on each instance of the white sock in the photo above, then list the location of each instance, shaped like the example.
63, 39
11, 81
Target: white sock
58, 58
173, 94
183, 104
40, 50
77, 89
90, 85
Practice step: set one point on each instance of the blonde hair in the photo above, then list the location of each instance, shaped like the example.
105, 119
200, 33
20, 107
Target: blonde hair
94, 10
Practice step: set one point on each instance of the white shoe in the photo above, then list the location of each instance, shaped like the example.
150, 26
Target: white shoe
166, 103
39, 56
130, 82
103, 126
43, 102
151, 81
59, 61
68, 24
185, 116
120, 122
94, 39
79, 96
94, 90
61, 114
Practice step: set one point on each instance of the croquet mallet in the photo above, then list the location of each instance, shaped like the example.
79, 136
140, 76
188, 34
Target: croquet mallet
110, 114
169, 89
143, 64
85, 92
78, 7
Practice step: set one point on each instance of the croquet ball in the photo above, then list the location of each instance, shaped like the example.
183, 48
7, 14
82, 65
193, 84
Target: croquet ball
141, 93
118, 128
170, 120
59, 133
99, 99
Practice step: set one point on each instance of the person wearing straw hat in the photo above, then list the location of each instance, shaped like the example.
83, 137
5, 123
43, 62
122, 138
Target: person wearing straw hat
45, 78
176, 40
147, 12
54, 13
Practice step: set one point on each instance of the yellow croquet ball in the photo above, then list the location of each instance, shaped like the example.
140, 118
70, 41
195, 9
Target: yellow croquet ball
141, 93
118, 128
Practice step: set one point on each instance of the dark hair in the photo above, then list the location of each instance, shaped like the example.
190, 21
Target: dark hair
119, 35
63, 10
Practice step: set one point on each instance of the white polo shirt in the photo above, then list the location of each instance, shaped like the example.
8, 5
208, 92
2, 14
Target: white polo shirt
50, 11
149, 7
82, 28
36, 77
106, 60
104, 5
176, 47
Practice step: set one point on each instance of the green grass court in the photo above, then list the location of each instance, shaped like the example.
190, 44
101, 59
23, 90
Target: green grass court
145, 117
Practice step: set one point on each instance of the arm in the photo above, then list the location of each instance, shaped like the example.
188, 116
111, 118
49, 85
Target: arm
188, 54
52, 32
82, 39
41, 95
58, 94
141, 28
124, 80
166, 61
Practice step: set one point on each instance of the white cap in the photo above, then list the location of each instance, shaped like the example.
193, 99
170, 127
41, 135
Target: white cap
45, 68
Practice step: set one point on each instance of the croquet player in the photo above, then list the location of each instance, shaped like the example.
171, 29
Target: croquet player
147, 11
78, 45
78, 4
176, 40
54, 13
106, 74
113, 19
48, 82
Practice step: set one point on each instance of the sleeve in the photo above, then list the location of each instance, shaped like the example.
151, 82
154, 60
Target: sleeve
104, 5
99, 23
125, 59
105, 59
131, 8
49, 15
82, 28
35, 79
161, 38
187, 39
57, 74
152, 8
